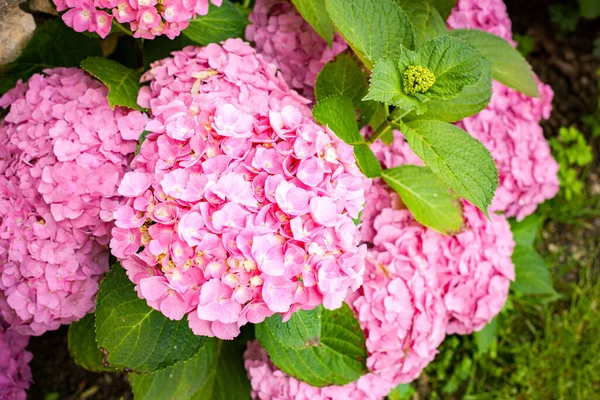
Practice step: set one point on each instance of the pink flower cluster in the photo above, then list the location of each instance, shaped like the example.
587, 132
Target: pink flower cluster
62, 153
400, 311
239, 206
147, 18
15, 375
283, 37
509, 125
474, 267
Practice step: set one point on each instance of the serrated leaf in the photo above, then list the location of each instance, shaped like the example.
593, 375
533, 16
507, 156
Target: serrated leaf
122, 82
508, 65
386, 87
428, 199
83, 347
404, 391
134, 335
345, 77
485, 337
453, 62
459, 160
375, 29
336, 356
525, 231
215, 372
338, 113
52, 45
469, 102
426, 20
221, 23
444, 7
367, 161
532, 275
313, 11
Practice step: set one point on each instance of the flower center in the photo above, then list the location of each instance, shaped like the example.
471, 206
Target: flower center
417, 79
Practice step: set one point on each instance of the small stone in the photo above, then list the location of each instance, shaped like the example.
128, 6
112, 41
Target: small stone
16, 29
42, 6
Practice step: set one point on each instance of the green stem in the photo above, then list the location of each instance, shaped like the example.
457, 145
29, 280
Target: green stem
117, 25
391, 122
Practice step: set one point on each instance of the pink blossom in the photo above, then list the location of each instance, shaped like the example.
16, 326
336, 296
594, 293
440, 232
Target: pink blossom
218, 191
58, 190
15, 374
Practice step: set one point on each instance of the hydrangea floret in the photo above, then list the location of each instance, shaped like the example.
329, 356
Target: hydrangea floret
238, 205
146, 18
284, 38
15, 374
63, 152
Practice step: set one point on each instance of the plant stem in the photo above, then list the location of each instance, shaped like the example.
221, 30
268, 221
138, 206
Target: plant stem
391, 122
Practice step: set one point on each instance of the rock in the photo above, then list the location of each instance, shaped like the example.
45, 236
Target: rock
5, 5
43, 6
16, 29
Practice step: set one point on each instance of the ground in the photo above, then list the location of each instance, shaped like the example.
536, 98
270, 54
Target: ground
569, 244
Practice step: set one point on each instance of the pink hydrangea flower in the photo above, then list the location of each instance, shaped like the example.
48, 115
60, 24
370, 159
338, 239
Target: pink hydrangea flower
15, 374
232, 231
283, 37
509, 125
64, 154
403, 317
147, 18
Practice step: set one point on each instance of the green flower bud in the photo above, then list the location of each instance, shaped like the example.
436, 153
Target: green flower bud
417, 79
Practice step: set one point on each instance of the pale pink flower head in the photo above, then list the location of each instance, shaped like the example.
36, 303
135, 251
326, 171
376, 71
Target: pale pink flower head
283, 37
147, 18
486, 15
15, 374
230, 225
67, 150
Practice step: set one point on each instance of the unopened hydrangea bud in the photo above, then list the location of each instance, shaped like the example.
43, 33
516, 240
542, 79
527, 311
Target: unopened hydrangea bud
417, 79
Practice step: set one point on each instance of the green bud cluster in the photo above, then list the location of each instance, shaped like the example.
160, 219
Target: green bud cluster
417, 79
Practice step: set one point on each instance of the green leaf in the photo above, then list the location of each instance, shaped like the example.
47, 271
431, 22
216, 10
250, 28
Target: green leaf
375, 29
215, 372
508, 65
313, 11
589, 9
338, 113
83, 347
485, 337
459, 160
427, 198
367, 161
525, 232
335, 355
345, 77
134, 335
404, 391
122, 82
532, 275
469, 102
386, 87
444, 7
454, 63
52, 45
221, 23
426, 20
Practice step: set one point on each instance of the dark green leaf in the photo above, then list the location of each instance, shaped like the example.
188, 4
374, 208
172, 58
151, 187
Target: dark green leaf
469, 102
161, 47
215, 372
508, 65
485, 337
532, 275
221, 23
345, 76
458, 159
336, 356
338, 113
427, 198
426, 20
313, 11
404, 391
444, 7
367, 161
589, 9
134, 335
83, 347
52, 45
524, 232
375, 29
123, 83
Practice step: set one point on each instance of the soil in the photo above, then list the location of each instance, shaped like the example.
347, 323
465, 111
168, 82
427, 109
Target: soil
565, 62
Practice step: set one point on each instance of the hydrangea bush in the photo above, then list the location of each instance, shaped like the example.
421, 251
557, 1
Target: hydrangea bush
306, 215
